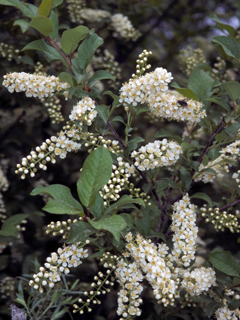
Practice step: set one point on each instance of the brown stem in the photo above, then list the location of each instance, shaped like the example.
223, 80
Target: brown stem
55, 45
229, 205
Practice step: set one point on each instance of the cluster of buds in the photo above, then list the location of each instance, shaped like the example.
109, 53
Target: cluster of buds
61, 227
221, 219
92, 141
99, 286
54, 107
189, 58
8, 51
142, 64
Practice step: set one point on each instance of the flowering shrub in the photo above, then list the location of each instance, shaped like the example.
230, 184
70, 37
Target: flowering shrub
137, 182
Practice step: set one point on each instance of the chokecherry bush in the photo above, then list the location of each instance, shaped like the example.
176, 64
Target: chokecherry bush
138, 172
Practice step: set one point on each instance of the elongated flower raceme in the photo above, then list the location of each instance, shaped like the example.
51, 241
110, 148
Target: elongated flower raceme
185, 232
58, 263
123, 27
152, 89
34, 85
66, 141
228, 155
157, 154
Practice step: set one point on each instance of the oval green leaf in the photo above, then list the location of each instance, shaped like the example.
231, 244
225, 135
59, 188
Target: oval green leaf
225, 262
96, 172
43, 24
87, 49
62, 202
45, 8
114, 224
230, 46
70, 38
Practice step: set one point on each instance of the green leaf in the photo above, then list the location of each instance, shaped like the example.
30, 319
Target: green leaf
142, 226
230, 46
115, 98
203, 196
59, 314
97, 209
214, 153
235, 304
128, 218
114, 224
62, 202
20, 5
232, 88
99, 75
87, 49
233, 129
158, 234
225, 262
212, 308
123, 201
67, 77
186, 178
221, 136
23, 24
96, 172
132, 144
200, 83
222, 25
103, 112
220, 101
43, 24
161, 185
54, 18
186, 92
51, 52
57, 3
45, 8
118, 119
9, 228
80, 231
70, 38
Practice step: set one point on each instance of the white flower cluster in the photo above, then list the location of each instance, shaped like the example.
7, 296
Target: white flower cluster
198, 281
185, 232
123, 27
34, 85
152, 88
228, 155
84, 111
74, 8
155, 269
156, 154
167, 272
119, 177
130, 277
59, 263
224, 313
55, 146
92, 15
